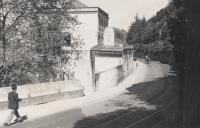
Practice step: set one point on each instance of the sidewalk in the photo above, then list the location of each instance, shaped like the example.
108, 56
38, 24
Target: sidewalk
37, 111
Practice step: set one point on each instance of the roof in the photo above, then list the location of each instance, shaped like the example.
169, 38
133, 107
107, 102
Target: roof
81, 7
88, 9
111, 48
107, 48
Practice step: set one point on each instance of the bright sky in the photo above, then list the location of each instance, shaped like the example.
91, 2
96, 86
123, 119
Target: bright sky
122, 12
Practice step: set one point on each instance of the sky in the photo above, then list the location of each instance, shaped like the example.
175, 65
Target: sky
122, 12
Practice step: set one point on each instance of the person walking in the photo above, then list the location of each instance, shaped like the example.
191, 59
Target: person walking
13, 105
135, 63
147, 59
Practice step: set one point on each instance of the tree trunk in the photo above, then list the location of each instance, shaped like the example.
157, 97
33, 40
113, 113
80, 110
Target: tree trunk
4, 48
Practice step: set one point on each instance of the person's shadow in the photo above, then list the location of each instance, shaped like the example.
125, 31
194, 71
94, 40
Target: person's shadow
25, 117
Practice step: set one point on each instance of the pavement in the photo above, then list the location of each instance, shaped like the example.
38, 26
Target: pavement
67, 113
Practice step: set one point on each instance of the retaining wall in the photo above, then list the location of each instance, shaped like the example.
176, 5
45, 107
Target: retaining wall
109, 78
43, 92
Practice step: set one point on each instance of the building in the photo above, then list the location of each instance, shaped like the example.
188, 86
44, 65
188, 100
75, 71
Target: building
112, 61
93, 22
101, 44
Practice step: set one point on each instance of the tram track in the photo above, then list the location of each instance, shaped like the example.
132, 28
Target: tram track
151, 116
128, 119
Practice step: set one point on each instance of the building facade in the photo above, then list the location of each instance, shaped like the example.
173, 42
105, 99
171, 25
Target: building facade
112, 61
93, 22
105, 58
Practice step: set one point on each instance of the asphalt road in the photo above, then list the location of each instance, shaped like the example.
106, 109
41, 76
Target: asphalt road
121, 111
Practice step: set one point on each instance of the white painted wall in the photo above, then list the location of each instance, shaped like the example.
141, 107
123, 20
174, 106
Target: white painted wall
83, 71
109, 78
105, 63
88, 29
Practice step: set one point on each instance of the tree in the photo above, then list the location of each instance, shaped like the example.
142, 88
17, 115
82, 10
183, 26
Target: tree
11, 14
153, 36
11, 17
33, 33
136, 31
51, 25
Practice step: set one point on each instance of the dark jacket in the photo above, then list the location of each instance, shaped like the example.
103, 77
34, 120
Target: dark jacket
13, 100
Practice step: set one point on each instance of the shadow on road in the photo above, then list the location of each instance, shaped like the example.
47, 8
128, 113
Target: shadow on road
25, 117
153, 93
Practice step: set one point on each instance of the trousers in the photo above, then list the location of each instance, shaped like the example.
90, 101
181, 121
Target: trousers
11, 114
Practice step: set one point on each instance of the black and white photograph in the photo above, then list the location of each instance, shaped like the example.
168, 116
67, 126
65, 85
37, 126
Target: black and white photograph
99, 64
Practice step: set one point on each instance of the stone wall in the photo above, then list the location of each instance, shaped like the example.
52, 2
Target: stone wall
42, 93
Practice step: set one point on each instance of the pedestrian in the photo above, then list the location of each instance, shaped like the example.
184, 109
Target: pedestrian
13, 105
147, 59
135, 63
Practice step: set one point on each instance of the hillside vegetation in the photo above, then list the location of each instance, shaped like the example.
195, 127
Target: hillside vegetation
153, 36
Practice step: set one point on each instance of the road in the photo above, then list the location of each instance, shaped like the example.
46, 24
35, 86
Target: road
120, 111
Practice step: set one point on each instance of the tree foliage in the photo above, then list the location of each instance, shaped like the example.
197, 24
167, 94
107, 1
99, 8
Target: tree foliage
32, 34
136, 33
153, 36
